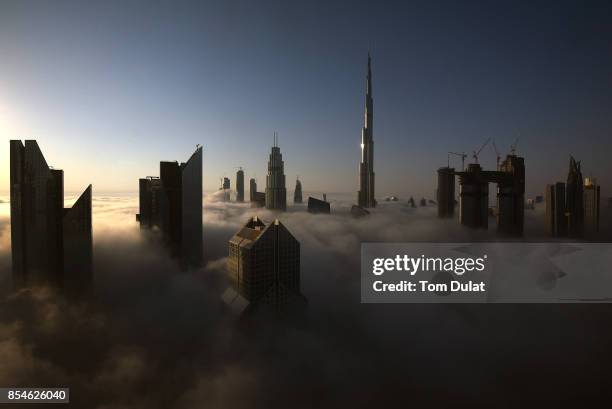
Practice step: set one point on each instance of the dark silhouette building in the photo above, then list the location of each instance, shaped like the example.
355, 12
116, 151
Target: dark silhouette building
591, 207
173, 203
365, 196
252, 189
446, 192
574, 200
240, 186
276, 192
297, 195
511, 195
556, 222
264, 265
474, 195
50, 244
358, 212
318, 206
225, 187
259, 199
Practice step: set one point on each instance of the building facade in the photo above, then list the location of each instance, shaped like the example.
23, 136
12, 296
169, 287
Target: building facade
252, 189
574, 200
264, 264
556, 223
240, 186
446, 192
591, 207
50, 244
173, 203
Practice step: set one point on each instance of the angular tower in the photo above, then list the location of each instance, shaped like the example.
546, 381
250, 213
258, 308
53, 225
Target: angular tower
276, 192
365, 196
297, 195
78, 245
173, 202
50, 244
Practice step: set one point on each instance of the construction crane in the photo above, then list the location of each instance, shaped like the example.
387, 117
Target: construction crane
476, 153
497, 155
462, 155
513, 147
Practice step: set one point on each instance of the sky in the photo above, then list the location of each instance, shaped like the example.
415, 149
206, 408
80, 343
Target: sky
109, 89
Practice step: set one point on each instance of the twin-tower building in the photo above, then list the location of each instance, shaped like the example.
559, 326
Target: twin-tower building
50, 244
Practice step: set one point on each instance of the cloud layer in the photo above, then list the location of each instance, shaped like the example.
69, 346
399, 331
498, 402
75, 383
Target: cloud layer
155, 337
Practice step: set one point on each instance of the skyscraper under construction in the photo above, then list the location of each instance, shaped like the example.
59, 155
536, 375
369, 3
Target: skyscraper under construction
276, 192
365, 196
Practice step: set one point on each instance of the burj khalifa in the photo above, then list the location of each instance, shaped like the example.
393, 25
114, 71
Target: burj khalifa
365, 196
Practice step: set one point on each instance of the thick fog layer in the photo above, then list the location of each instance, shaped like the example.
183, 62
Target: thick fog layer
155, 337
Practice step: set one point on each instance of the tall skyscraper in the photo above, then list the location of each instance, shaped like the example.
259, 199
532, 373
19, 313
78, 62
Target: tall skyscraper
252, 189
78, 246
556, 222
226, 189
574, 202
173, 202
446, 192
50, 244
276, 192
474, 197
297, 195
365, 196
591, 206
511, 196
264, 264
240, 185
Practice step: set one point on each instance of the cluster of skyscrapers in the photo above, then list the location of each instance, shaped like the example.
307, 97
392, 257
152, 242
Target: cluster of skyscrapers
50, 244
53, 244
572, 208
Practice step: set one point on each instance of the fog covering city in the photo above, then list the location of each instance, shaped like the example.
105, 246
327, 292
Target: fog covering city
153, 336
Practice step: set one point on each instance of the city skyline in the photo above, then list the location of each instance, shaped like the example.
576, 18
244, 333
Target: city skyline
185, 82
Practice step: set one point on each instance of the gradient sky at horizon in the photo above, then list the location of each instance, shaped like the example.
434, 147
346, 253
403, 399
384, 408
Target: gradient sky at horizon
109, 89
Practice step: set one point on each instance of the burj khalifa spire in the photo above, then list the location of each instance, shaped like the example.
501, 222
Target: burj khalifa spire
365, 196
